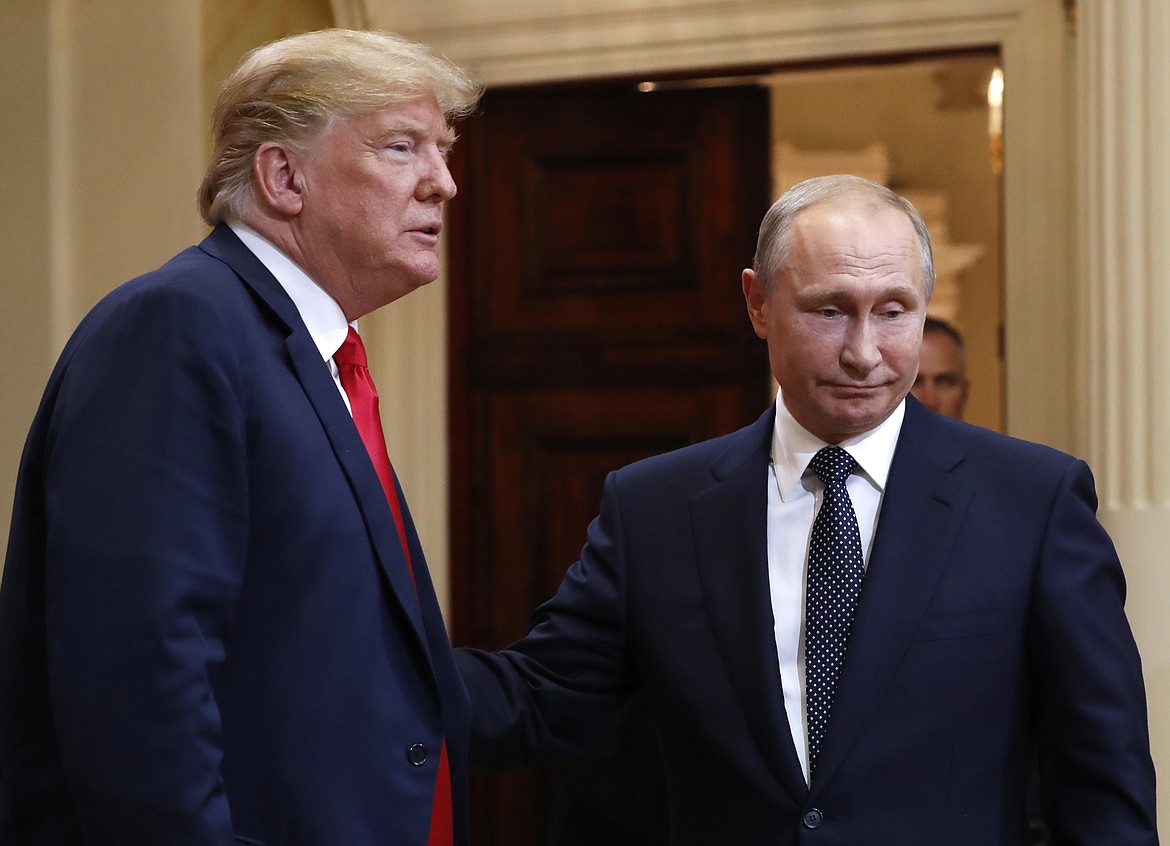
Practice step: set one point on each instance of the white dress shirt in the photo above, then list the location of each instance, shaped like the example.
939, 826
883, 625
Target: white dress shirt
322, 315
794, 495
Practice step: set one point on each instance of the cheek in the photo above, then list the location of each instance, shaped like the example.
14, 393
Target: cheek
805, 358
904, 348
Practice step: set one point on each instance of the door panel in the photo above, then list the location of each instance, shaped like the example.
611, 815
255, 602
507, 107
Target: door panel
549, 453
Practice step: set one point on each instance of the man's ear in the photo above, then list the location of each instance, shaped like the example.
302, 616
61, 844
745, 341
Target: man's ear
275, 168
756, 299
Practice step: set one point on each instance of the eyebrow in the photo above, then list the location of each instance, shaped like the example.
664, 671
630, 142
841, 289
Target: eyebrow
894, 293
416, 131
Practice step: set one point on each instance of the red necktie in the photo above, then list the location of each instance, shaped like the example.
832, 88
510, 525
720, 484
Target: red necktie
363, 401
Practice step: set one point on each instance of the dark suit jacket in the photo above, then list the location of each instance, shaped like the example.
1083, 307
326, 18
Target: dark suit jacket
207, 627
990, 619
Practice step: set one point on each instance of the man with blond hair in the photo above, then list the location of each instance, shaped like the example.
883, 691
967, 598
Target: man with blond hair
216, 621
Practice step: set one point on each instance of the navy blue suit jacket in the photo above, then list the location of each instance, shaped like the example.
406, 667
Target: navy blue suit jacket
990, 620
208, 632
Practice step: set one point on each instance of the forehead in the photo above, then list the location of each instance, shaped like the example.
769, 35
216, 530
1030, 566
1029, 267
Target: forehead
859, 242
420, 119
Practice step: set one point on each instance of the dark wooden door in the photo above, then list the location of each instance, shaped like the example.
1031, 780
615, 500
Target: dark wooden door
596, 318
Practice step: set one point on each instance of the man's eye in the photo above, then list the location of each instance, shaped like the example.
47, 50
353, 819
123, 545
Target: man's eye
828, 312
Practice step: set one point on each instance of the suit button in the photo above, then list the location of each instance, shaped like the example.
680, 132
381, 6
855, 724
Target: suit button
812, 818
417, 755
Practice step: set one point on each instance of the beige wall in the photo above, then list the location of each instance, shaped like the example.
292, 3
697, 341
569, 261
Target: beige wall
231, 28
100, 157
25, 306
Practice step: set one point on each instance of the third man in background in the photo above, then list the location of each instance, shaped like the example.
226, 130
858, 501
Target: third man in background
941, 384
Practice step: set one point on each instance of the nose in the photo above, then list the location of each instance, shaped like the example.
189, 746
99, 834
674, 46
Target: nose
436, 182
861, 354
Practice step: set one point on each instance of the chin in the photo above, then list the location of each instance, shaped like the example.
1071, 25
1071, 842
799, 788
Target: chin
408, 282
423, 276
857, 423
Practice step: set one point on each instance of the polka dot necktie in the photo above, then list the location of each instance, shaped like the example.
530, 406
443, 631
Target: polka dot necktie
835, 570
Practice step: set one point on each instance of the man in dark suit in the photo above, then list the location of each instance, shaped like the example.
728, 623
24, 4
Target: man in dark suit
216, 622
868, 659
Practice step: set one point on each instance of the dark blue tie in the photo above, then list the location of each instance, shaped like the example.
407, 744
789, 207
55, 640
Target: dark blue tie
835, 569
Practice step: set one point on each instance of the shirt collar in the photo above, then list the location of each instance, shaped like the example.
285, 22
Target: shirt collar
793, 447
322, 315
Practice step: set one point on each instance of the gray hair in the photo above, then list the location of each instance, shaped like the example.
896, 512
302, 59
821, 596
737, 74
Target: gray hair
291, 90
775, 241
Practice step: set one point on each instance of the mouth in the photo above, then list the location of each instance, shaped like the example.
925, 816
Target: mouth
431, 230
849, 389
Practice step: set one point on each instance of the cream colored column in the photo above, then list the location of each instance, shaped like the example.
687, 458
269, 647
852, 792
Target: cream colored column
1123, 105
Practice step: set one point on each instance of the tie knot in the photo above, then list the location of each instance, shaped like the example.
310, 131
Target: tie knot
352, 351
832, 465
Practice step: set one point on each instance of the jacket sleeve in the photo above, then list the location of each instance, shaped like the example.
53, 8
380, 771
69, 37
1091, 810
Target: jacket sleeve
548, 694
1093, 740
145, 491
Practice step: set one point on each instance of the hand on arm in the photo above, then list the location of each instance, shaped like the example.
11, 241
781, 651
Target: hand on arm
548, 694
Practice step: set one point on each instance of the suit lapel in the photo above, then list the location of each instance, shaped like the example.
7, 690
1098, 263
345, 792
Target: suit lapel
343, 436
922, 508
730, 533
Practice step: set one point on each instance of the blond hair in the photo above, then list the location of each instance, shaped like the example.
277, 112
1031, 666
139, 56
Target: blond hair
291, 90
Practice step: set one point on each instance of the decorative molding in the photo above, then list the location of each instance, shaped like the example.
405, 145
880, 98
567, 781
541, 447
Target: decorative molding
531, 40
